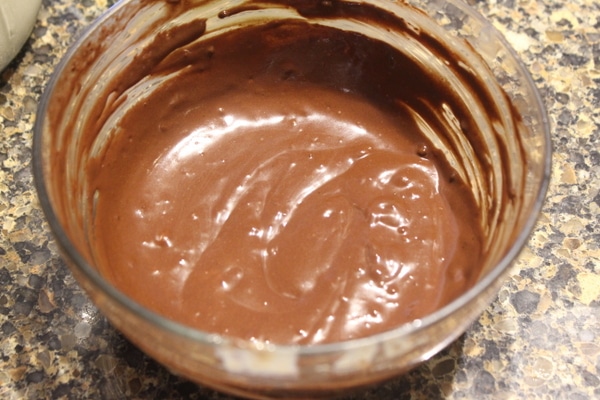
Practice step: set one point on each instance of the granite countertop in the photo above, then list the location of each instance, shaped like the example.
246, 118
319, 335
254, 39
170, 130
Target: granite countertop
539, 339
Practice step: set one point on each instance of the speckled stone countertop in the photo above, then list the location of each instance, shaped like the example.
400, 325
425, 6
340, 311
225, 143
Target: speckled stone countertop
539, 339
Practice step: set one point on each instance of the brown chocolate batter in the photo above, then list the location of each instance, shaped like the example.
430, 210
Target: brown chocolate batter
275, 188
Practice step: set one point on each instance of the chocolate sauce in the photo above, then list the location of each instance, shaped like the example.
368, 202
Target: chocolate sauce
277, 187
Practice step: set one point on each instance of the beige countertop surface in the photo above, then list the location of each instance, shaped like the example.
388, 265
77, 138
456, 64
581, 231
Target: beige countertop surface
539, 339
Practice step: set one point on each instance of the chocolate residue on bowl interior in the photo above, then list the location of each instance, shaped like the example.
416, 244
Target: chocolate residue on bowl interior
274, 183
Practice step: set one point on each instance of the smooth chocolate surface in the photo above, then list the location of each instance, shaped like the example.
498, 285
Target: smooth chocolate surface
276, 188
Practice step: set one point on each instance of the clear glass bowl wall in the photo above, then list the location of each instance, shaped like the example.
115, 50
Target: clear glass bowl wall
521, 151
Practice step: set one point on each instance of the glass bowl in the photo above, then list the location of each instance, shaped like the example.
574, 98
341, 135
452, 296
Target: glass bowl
508, 177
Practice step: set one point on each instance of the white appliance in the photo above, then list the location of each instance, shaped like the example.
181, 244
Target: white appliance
17, 18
